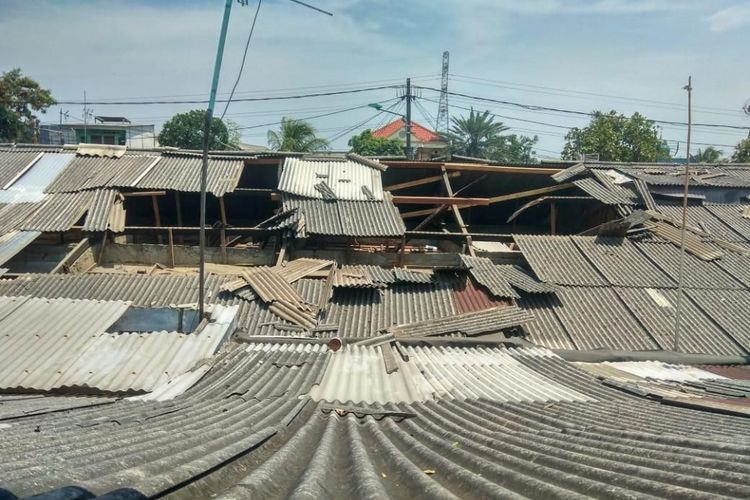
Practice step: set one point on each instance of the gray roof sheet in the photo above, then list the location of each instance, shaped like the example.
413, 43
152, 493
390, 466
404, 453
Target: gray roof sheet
87, 172
31, 185
12, 163
14, 242
345, 179
700, 217
486, 273
620, 444
106, 212
728, 309
607, 196
557, 259
470, 323
58, 212
731, 215
182, 173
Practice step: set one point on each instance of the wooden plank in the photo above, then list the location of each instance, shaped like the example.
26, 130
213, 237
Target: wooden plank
71, 256
419, 182
531, 192
473, 167
439, 200
157, 214
420, 213
171, 247
144, 193
457, 213
223, 232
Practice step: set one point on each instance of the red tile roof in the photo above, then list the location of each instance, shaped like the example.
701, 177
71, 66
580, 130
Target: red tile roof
420, 133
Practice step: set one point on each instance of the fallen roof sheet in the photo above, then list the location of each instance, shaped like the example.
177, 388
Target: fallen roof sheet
602, 193
106, 213
556, 259
348, 276
486, 273
14, 242
618, 445
344, 179
31, 185
573, 171
296, 269
345, 218
692, 243
470, 324
699, 217
468, 296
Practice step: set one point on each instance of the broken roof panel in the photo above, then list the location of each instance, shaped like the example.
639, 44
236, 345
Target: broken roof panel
182, 172
348, 276
472, 323
31, 185
700, 217
402, 275
556, 259
620, 262
607, 196
87, 172
295, 269
487, 274
570, 172
344, 179
106, 212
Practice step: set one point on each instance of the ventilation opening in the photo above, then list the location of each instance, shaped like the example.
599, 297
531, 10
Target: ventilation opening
144, 320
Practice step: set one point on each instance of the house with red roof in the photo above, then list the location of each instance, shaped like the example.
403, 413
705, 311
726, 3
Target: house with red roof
426, 143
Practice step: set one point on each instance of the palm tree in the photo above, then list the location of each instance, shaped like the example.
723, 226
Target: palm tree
708, 155
471, 135
297, 136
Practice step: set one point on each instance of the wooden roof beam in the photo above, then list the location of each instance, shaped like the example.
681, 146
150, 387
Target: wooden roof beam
473, 167
439, 200
419, 182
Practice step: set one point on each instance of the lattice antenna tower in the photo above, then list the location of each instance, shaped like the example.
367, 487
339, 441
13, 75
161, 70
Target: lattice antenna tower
746, 109
443, 122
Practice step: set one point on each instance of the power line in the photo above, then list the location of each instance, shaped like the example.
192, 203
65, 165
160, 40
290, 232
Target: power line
532, 107
243, 99
244, 56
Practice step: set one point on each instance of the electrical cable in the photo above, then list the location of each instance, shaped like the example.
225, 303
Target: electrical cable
532, 107
242, 65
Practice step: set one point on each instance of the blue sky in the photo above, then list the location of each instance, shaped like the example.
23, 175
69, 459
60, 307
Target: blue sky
635, 55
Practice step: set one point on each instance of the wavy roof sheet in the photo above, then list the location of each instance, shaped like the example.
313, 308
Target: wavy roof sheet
31, 185
14, 242
88, 172
556, 259
182, 173
342, 179
14, 163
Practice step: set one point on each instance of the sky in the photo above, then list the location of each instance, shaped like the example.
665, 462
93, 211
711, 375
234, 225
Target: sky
579, 55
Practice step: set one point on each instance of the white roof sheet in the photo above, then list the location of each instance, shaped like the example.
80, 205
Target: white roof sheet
347, 179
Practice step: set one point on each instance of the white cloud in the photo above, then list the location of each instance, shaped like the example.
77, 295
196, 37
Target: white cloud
730, 18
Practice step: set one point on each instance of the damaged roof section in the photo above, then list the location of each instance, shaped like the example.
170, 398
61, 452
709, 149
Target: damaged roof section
343, 179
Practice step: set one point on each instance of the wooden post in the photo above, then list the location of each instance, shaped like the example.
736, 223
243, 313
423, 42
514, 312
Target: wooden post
223, 232
282, 252
178, 207
157, 215
171, 248
457, 213
552, 218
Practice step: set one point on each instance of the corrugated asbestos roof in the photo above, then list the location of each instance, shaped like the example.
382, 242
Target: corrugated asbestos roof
14, 242
346, 179
732, 216
486, 273
243, 431
357, 374
87, 172
182, 173
61, 343
31, 185
728, 309
470, 323
58, 212
345, 218
13, 163
556, 259
700, 217
607, 196
107, 212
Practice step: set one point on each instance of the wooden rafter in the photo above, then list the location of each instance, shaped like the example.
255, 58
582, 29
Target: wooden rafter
419, 182
473, 167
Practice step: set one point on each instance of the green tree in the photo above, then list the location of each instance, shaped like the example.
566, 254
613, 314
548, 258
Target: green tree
234, 134
475, 134
615, 137
366, 145
296, 135
742, 152
708, 155
185, 130
512, 149
20, 97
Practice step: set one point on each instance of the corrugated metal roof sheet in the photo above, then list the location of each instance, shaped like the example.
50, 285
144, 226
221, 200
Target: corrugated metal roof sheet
12, 243
470, 297
58, 212
660, 174
86, 172
737, 265
357, 374
620, 262
347, 179
182, 173
556, 259
655, 310
470, 323
401, 275
698, 273
31, 186
346, 218
12, 163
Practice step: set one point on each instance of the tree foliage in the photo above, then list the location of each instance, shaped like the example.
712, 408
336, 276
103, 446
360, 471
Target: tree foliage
708, 155
742, 152
185, 130
615, 137
20, 98
366, 145
513, 149
296, 135
473, 135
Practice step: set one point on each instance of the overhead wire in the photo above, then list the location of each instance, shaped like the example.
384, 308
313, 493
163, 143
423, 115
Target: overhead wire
244, 57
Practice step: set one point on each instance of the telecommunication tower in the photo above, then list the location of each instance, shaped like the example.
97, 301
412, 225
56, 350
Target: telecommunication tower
443, 122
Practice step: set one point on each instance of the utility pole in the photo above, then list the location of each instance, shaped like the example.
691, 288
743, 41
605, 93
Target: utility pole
408, 149
678, 309
85, 119
204, 167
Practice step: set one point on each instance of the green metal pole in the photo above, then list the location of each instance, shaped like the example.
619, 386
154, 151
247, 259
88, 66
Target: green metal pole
204, 169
